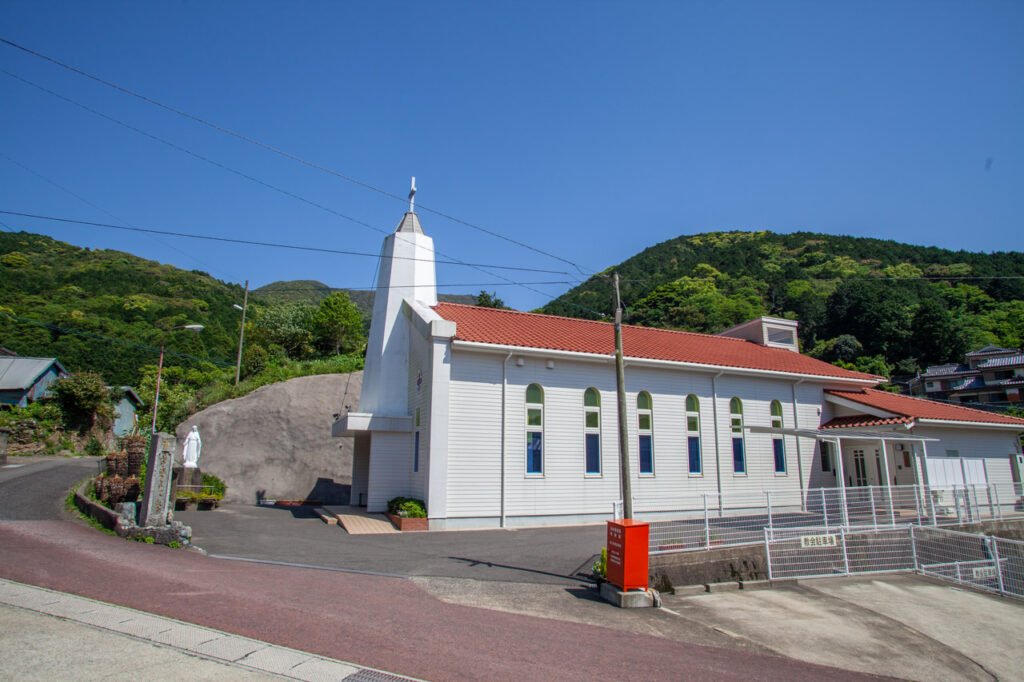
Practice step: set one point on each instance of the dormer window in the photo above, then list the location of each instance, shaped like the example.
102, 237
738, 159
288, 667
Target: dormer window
780, 336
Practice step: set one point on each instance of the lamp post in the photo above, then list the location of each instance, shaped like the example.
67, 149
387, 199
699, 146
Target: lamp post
160, 367
241, 332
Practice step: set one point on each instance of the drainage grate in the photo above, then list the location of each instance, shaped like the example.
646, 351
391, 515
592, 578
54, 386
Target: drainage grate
367, 675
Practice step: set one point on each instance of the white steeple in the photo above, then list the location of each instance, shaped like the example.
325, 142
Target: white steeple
406, 271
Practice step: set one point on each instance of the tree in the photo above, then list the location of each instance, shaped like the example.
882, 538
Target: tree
937, 337
288, 326
486, 300
338, 325
83, 398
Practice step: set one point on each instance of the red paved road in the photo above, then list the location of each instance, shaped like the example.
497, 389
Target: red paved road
385, 623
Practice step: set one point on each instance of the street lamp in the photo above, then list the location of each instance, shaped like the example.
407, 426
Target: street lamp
241, 332
160, 367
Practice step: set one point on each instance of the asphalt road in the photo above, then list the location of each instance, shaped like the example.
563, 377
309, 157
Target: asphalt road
377, 621
531, 555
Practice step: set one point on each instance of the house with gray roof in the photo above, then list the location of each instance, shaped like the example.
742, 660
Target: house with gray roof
990, 375
24, 380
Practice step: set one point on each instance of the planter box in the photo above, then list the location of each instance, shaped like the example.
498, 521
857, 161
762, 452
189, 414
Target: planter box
405, 523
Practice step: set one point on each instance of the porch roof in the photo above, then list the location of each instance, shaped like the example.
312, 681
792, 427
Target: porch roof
833, 434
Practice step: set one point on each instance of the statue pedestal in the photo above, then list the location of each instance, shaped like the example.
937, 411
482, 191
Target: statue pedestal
186, 479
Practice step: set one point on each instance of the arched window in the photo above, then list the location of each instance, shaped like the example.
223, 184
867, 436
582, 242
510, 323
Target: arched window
693, 433
778, 440
645, 427
739, 455
592, 430
534, 429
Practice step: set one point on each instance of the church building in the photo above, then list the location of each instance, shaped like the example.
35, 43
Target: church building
501, 418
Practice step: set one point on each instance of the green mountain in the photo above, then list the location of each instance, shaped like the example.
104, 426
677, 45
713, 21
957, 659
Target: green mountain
106, 310
312, 292
870, 303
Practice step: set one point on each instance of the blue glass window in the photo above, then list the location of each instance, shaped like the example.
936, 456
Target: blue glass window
739, 461
416, 451
693, 443
646, 455
534, 453
780, 455
593, 441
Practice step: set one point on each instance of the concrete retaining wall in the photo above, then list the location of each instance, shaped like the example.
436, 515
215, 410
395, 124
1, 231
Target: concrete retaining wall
725, 564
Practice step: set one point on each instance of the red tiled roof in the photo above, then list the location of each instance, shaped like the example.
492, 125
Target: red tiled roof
921, 408
860, 420
551, 332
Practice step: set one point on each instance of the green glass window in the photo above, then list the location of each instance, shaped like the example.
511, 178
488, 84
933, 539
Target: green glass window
643, 401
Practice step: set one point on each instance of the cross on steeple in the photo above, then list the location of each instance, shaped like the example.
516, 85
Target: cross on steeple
412, 194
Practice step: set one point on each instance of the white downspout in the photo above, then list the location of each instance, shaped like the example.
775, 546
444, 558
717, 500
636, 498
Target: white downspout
718, 460
799, 458
504, 386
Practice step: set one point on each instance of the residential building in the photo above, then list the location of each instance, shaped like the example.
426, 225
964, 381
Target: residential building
987, 376
23, 380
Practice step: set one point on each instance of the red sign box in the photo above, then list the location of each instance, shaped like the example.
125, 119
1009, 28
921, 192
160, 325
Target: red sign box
627, 554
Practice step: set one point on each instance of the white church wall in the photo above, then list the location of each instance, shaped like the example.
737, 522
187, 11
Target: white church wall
564, 487
390, 466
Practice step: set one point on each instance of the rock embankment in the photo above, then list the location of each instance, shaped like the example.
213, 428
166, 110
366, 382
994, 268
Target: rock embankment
276, 443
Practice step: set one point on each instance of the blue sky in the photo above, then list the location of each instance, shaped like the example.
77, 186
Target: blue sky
589, 130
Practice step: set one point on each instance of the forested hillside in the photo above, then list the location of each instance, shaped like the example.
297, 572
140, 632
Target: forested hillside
107, 311
878, 305
313, 292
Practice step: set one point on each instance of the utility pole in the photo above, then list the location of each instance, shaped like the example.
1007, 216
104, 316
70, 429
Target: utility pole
241, 333
620, 384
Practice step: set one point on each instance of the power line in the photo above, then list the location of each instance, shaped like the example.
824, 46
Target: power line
250, 242
285, 154
246, 176
99, 208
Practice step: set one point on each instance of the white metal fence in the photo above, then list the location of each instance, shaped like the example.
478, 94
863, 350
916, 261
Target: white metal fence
705, 520
988, 563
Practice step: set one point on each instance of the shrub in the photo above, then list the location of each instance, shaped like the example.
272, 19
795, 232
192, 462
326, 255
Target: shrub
94, 448
600, 566
82, 398
408, 507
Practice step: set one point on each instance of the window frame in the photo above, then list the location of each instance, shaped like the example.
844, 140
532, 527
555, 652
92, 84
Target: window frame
778, 440
693, 436
534, 429
590, 432
645, 433
736, 426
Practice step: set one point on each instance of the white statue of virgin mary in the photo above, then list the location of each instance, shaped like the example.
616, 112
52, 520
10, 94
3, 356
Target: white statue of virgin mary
193, 445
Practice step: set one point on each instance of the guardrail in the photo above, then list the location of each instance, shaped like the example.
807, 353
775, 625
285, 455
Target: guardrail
706, 520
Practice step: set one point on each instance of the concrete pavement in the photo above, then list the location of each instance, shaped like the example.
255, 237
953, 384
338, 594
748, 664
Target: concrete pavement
45, 635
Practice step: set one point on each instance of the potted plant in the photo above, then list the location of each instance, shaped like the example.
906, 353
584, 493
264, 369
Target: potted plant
407, 513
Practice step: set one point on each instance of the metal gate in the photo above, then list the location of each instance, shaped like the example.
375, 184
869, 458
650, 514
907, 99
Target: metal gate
988, 563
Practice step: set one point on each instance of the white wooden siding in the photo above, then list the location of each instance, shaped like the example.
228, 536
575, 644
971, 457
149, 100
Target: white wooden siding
564, 488
390, 464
